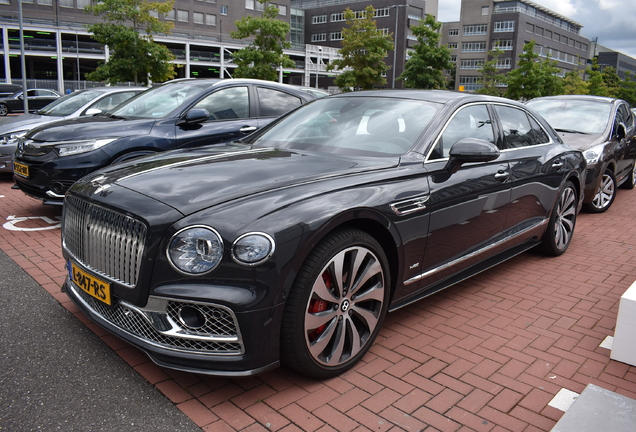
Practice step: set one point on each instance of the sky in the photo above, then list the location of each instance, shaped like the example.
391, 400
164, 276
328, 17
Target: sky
612, 21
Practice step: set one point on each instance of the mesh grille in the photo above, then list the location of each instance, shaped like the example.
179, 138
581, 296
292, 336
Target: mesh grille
106, 242
134, 323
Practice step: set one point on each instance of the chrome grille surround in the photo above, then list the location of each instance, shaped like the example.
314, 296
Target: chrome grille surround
158, 325
107, 242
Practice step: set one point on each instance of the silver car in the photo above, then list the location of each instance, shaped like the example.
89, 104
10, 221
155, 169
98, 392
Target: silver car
80, 103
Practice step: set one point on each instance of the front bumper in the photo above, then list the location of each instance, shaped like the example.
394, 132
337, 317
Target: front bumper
157, 330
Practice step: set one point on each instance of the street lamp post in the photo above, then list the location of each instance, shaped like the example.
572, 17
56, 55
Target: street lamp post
25, 99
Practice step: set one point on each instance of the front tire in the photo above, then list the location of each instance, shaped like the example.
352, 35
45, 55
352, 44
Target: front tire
604, 196
4, 109
558, 235
336, 305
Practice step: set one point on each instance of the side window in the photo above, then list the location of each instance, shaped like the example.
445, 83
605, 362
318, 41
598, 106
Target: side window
31, 93
470, 122
274, 103
539, 135
516, 127
111, 101
624, 115
227, 104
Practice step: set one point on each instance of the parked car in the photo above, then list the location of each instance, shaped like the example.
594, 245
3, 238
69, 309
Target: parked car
82, 102
603, 129
9, 89
292, 244
178, 114
37, 99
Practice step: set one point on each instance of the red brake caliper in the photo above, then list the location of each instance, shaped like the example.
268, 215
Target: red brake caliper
317, 305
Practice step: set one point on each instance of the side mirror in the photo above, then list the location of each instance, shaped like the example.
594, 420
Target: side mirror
621, 131
92, 111
470, 150
197, 115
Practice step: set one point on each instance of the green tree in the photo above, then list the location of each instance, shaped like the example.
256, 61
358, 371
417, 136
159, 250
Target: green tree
533, 76
425, 68
491, 76
627, 89
573, 84
596, 83
262, 58
364, 48
127, 30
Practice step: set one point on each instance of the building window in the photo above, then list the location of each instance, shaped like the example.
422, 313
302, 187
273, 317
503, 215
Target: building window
6, 2
382, 12
504, 26
171, 16
452, 45
249, 4
64, 3
538, 30
259, 6
154, 14
337, 17
81, 4
319, 19
453, 59
44, 2
223, 10
210, 19
197, 17
469, 82
504, 63
385, 32
530, 28
335, 36
282, 10
485, 10
471, 64
474, 47
503, 44
213, 1
182, 15
479, 29
415, 13
453, 32
319, 37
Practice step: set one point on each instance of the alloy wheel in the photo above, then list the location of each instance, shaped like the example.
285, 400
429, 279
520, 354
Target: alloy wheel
566, 218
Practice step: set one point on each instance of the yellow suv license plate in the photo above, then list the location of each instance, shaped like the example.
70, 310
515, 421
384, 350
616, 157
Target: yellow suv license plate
21, 169
90, 284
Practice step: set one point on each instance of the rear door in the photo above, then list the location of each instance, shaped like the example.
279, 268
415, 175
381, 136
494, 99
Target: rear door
232, 117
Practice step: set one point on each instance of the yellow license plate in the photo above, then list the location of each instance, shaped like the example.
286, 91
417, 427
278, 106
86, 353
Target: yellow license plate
21, 169
90, 284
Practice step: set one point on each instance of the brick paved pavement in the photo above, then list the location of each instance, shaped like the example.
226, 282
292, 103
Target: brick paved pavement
485, 355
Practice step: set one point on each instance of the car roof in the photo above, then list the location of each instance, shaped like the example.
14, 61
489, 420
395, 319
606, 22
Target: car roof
230, 81
579, 97
438, 96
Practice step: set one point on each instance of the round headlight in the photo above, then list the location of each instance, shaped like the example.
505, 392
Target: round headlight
195, 250
252, 249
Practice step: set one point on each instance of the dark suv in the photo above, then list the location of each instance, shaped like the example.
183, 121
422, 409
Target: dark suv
179, 114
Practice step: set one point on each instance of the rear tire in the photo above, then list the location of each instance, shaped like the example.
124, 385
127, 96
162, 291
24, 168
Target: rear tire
604, 196
4, 109
558, 235
337, 304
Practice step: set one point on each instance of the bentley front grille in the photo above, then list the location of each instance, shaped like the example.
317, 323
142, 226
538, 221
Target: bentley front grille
107, 242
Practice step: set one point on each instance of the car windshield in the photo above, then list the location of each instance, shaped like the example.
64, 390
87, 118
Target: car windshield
70, 103
160, 101
365, 126
572, 115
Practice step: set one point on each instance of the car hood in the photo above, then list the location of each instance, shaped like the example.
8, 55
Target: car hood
25, 122
194, 179
90, 127
582, 142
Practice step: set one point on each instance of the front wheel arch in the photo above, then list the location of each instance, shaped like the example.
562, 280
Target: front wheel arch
132, 155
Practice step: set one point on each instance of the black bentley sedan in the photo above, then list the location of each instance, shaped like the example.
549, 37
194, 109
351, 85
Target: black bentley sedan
603, 129
292, 245
178, 114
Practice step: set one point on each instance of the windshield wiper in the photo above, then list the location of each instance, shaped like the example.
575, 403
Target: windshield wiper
113, 116
570, 131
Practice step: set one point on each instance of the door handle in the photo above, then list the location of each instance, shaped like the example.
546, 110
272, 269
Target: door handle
557, 165
502, 176
245, 129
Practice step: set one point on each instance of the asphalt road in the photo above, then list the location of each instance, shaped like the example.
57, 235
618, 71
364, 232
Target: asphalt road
57, 375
